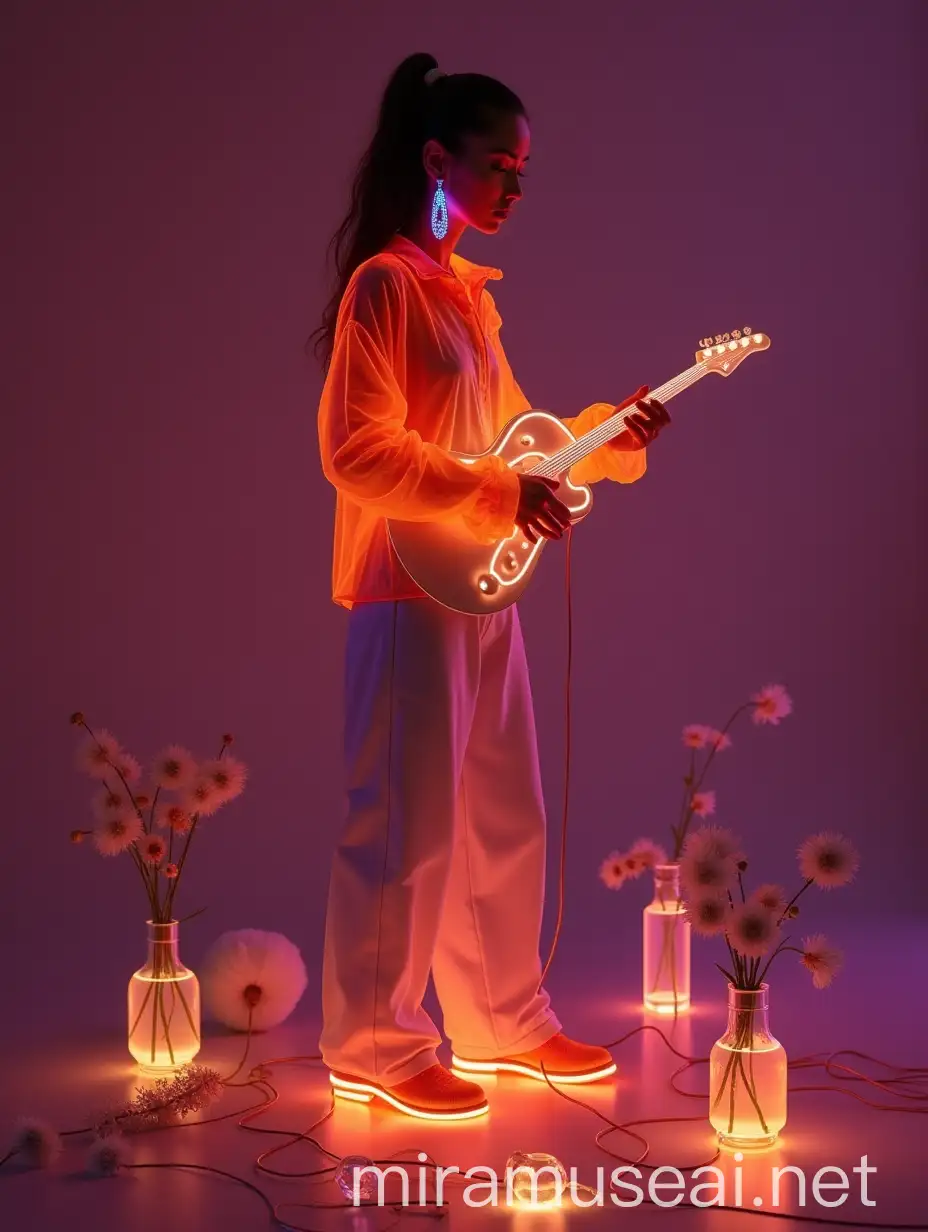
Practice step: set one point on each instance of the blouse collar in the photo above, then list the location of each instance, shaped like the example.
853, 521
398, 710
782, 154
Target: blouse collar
425, 266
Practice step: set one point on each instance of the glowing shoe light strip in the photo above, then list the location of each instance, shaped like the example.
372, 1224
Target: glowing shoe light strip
363, 1092
466, 1068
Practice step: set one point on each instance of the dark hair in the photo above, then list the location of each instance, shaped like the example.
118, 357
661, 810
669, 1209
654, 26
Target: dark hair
390, 182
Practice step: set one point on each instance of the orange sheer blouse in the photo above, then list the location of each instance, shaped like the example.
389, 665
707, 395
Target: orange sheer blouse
418, 371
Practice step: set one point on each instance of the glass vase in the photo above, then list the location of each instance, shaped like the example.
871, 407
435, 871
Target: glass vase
666, 937
747, 1074
164, 1006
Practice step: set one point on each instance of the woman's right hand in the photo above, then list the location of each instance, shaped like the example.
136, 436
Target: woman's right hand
540, 512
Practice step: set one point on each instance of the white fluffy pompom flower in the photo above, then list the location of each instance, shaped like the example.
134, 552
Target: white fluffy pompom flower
250, 970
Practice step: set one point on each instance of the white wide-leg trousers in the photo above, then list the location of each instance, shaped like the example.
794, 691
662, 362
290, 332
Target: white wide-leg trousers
440, 864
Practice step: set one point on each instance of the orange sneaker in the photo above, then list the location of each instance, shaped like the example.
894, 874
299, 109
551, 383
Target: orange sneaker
564, 1060
434, 1095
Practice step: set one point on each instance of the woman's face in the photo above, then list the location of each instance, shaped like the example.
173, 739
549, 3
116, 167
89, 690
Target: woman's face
483, 181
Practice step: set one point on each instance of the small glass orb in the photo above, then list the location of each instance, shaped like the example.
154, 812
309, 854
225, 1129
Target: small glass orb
538, 1180
345, 1178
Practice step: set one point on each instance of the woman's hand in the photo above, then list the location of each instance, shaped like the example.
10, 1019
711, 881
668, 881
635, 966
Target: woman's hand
644, 426
540, 512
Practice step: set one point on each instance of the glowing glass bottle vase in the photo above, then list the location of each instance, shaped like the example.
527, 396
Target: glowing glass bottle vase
747, 1074
666, 937
164, 1006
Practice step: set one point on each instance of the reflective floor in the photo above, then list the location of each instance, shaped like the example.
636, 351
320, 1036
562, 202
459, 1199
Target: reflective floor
66, 1072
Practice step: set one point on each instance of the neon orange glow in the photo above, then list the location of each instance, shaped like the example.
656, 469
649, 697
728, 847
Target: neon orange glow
466, 1068
536, 1181
747, 1075
388, 430
362, 1092
163, 1006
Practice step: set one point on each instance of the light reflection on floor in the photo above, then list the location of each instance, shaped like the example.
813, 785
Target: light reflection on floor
44, 1076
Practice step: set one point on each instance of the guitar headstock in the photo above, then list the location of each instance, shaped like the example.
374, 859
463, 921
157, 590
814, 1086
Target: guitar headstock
724, 352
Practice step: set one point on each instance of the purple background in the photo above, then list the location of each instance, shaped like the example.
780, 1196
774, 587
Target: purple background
172, 180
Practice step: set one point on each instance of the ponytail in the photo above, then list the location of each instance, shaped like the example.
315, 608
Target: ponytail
390, 183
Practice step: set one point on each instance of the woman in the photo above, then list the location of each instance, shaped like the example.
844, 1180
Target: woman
440, 865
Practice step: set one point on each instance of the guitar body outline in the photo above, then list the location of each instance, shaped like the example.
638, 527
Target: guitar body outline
451, 566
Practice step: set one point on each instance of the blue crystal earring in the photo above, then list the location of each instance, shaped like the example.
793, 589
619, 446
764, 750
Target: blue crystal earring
439, 212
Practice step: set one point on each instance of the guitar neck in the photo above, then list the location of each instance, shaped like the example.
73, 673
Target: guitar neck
564, 458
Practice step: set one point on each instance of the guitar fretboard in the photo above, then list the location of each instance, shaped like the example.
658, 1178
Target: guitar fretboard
565, 458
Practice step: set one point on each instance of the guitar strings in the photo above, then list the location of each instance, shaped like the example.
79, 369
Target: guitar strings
564, 458
570, 454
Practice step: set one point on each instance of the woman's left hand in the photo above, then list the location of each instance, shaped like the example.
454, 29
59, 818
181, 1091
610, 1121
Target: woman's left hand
643, 427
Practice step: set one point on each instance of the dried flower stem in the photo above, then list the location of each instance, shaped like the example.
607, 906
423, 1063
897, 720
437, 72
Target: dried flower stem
169, 903
151, 815
679, 831
744, 1042
122, 777
172, 892
693, 784
159, 997
138, 1017
800, 891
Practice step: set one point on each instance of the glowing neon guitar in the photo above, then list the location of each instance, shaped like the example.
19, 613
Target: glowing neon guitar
447, 562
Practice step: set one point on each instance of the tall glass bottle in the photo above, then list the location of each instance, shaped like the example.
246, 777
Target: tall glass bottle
666, 937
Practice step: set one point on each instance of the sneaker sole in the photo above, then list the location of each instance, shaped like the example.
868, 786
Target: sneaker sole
466, 1069
356, 1091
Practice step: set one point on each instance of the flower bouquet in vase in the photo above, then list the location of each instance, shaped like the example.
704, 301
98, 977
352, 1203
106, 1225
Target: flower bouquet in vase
666, 928
747, 1064
151, 822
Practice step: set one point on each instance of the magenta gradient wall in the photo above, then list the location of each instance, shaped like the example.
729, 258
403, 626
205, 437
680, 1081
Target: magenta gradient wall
173, 175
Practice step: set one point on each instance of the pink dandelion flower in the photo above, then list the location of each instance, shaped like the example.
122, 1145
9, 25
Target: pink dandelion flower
36, 1142
109, 801
611, 872
751, 929
128, 767
828, 859
706, 871
695, 735
227, 776
107, 1155
174, 768
717, 740
648, 852
708, 913
170, 871
771, 704
703, 803
822, 959
117, 833
172, 816
152, 847
770, 897
202, 798
713, 840
96, 754
633, 863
